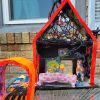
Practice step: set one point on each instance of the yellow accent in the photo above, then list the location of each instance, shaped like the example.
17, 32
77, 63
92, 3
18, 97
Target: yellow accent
62, 66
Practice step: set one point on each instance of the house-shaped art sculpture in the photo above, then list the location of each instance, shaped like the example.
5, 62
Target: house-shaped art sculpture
64, 50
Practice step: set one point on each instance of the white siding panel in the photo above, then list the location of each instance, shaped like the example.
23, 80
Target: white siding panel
97, 10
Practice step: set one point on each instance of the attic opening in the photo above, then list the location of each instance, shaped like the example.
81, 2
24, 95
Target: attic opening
65, 39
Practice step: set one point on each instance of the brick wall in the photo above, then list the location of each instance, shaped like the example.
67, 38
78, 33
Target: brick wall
20, 44
14, 45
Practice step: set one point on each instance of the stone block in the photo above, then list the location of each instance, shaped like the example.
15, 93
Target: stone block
17, 47
10, 38
3, 55
11, 47
25, 37
4, 47
3, 38
18, 37
26, 54
10, 54
14, 47
32, 35
26, 47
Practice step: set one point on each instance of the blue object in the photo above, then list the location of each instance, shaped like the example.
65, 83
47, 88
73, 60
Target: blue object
79, 84
27, 79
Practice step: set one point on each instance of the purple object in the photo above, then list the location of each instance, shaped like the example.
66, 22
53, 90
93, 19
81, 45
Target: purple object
2, 79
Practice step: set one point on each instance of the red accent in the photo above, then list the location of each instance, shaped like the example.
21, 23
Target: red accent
88, 50
38, 66
38, 62
93, 60
29, 67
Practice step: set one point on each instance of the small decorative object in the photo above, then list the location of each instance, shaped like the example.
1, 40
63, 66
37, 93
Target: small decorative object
80, 70
52, 65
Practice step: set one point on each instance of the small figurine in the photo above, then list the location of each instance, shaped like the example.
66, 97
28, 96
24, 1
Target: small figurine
52, 66
61, 68
80, 70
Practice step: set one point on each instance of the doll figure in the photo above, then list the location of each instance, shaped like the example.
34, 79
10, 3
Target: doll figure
80, 70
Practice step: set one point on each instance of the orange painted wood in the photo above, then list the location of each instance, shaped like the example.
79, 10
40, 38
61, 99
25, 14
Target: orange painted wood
29, 67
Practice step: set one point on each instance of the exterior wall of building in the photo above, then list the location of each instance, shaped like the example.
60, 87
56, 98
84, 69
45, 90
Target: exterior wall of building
20, 44
15, 45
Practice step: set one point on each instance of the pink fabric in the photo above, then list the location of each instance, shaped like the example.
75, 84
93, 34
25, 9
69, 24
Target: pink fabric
53, 77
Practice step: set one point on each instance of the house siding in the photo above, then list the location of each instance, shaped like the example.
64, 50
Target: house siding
81, 7
16, 45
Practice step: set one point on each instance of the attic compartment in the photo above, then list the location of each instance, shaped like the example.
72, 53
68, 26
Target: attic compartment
64, 32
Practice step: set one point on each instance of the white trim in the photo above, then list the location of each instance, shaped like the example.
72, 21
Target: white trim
91, 14
6, 18
5, 11
26, 21
73, 2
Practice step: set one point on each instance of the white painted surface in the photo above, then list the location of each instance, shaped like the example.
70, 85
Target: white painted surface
94, 14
